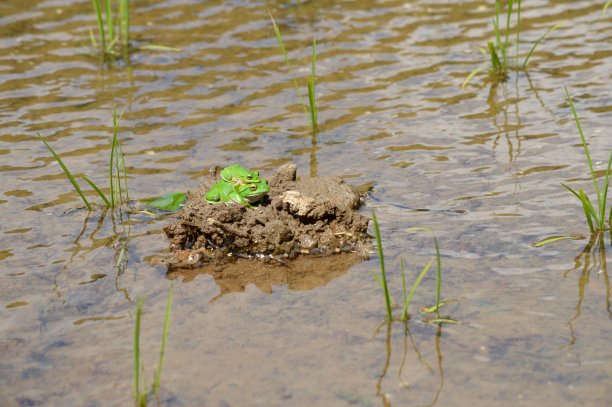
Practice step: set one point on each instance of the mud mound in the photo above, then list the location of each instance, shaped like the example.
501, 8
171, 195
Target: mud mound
307, 215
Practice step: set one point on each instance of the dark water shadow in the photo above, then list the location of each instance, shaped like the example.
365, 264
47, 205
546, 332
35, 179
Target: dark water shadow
303, 273
591, 260
410, 345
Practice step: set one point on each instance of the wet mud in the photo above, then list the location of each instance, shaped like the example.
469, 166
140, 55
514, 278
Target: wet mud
300, 216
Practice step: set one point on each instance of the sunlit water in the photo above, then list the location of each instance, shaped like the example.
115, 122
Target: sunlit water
481, 166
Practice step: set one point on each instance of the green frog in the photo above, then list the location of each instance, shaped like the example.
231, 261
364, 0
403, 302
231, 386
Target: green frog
245, 194
237, 174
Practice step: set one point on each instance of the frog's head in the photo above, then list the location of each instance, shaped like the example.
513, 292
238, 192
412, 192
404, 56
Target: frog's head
253, 192
239, 175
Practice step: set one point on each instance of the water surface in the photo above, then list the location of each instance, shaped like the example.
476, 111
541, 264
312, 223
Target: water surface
481, 166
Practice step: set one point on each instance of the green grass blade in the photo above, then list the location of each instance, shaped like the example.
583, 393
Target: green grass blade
311, 88
157, 378
154, 47
604, 193
95, 188
125, 188
586, 205
111, 181
588, 210
413, 289
66, 171
496, 23
109, 22
378, 280
434, 308
124, 22
605, 7
404, 293
98, 10
137, 394
438, 271
94, 43
443, 320
572, 191
438, 262
117, 166
518, 28
382, 267
507, 34
281, 44
121, 21
471, 75
589, 205
584, 145
111, 45
552, 239
313, 106
494, 58
539, 40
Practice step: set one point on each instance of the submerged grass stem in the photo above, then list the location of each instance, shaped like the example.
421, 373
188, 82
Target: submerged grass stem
310, 110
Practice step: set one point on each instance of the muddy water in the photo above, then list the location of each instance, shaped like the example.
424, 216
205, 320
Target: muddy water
482, 166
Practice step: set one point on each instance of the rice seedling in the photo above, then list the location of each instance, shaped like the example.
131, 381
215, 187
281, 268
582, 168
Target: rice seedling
110, 35
438, 259
119, 192
407, 296
382, 279
140, 389
311, 109
595, 217
497, 50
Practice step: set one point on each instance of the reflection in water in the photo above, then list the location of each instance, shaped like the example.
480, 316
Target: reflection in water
303, 273
591, 259
409, 339
118, 240
500, 108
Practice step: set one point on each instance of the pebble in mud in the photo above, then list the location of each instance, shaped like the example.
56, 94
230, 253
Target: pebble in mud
307, 215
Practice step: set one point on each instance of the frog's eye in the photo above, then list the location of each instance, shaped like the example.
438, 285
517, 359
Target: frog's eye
253, 187
248, 177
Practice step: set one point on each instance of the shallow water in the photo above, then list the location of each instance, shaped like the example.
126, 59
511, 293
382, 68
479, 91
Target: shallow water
482, 166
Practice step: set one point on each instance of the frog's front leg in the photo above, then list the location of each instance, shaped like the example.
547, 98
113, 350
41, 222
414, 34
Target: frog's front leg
235, 196
238, 199
213, 196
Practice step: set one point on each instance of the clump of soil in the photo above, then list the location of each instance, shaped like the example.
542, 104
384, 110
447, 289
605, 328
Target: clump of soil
306, 215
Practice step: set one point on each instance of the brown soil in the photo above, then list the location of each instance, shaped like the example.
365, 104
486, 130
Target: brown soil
306, 215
